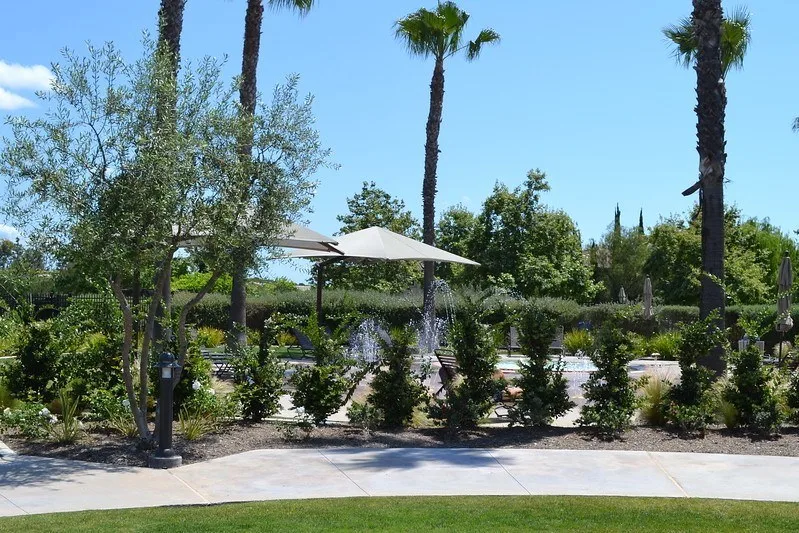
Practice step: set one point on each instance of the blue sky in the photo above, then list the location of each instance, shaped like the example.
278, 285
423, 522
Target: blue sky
586, 91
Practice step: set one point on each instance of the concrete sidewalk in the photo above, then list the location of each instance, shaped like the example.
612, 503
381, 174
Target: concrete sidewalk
41, 485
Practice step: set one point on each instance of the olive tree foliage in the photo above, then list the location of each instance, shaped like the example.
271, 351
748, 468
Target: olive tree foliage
111, 189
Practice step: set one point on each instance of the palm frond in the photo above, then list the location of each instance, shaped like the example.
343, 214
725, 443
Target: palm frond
796, 124
301, 6
736, 36
487, 36
683, 41
419, 32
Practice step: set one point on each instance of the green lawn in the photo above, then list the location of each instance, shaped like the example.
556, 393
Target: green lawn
551, 513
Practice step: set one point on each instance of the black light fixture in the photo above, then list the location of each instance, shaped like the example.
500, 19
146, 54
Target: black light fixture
165, 456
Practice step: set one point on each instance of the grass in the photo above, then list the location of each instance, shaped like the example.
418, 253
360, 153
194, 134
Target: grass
480, 513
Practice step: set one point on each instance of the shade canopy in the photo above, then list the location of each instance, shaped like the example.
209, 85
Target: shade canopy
290, 236
382, 244
377, 244
648, 298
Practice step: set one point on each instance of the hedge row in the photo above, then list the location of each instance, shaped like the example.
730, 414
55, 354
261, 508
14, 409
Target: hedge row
399, 310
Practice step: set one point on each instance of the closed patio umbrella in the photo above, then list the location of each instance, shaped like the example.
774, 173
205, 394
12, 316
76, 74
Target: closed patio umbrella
784, 286
648, 313
622, 296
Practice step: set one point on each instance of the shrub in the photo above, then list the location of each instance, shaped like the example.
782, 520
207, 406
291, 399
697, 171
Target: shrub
31, 420
792, 396
196, 369
690, 403
396, 391
208, 337
113, 409
639, 345
752, 392
666, 345
578, 341
94, 364
194, 424
259, 377
69, 429
609, 391
323, 388
654, 393
475, 348
195, 281
365, 415
545, 393
33, 374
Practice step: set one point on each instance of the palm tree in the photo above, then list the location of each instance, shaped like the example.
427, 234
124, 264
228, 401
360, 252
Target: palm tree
248, 93
736, 36
438, 34
715, 45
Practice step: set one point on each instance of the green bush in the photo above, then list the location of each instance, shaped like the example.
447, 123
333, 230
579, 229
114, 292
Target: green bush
323, 388
112, 408
666, 345
31, 420
609, 391
690, 403
752, 392
545, 394
259, 377
793, 396
578, 340
396, 391
475, 347
639, 345
195, 281
654, 394
365, 415
69, 429
33, 375
208, 337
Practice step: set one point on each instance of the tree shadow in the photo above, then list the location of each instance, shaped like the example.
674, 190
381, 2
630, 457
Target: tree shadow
28, 471
404, 458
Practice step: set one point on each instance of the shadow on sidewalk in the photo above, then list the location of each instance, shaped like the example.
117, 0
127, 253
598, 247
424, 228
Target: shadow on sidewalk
22, 470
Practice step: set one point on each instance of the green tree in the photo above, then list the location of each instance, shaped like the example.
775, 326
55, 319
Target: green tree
437, 33
525, 247
619, 261
714, 45
455, 231
130, 196
373, 206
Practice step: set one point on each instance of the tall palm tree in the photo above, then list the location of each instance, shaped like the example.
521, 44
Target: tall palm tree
248, 94
715, 45
437, 33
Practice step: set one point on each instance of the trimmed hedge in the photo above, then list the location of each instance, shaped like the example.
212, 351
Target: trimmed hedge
403, 309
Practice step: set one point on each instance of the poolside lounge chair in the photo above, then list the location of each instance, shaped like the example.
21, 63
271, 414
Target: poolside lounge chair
303, 342
512, 341
449, 368
557, 342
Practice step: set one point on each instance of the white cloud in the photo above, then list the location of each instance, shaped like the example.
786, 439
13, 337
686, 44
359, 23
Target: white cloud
9, 232
10, 101
15, 76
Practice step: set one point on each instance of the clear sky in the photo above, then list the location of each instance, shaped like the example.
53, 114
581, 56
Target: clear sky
586, 91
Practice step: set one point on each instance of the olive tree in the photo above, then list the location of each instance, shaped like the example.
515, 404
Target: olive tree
112, 191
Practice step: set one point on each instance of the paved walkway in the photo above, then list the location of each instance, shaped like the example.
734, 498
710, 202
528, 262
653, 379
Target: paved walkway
41, 485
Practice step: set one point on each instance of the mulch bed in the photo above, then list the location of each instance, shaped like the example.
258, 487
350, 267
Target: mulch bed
101, 446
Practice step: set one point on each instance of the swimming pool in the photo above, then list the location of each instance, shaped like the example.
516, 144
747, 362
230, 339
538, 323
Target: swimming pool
511, 365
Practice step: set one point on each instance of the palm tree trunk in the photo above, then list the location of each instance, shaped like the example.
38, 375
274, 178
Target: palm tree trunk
170, 26
710, 111
430, 170
248, 93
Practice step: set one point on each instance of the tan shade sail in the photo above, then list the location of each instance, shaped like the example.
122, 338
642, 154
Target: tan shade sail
291, 236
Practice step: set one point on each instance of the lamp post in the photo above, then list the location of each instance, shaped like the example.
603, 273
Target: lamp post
165, 456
